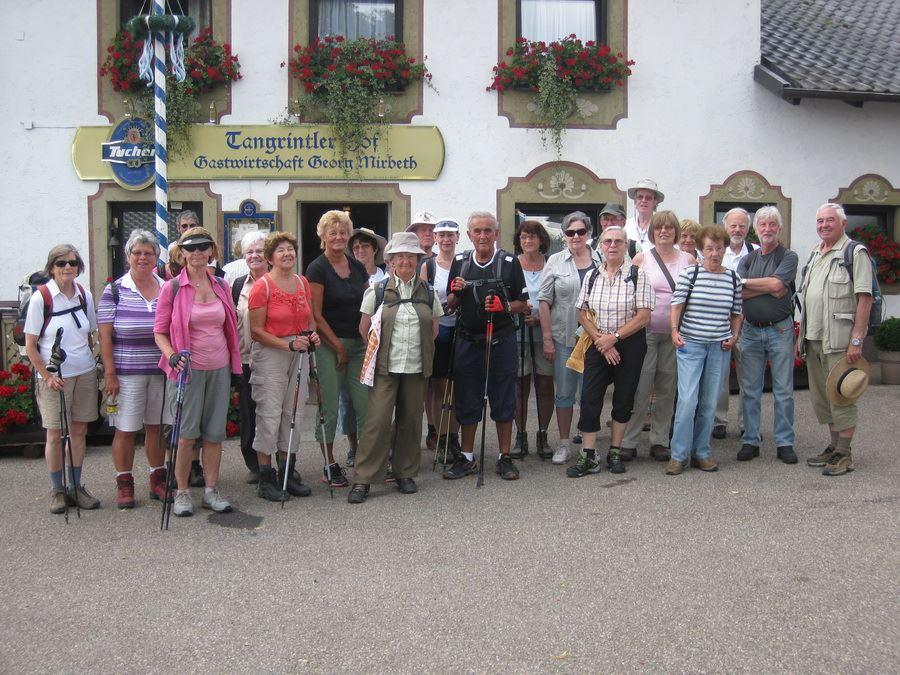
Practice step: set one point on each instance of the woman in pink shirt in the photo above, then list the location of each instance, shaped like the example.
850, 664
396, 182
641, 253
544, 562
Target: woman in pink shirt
195, 313
661, 264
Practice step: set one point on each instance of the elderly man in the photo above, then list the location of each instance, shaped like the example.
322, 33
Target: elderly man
423, 225
737, 225
485, 281
835, 306
646, 198
768, 334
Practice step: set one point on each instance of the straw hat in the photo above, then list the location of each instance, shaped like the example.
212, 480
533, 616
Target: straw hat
404, 242
846, 382
646, 184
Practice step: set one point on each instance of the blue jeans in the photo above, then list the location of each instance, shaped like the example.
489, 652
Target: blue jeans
777, 344
700, 366
566, 381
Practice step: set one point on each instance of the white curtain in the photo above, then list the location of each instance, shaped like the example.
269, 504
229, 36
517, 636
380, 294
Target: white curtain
356, 18
550, 20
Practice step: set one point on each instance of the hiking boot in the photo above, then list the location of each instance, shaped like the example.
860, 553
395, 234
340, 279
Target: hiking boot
213, 501
838, 465
358, 493
183, 505
747, 452
57, 500
431, 438
614, 461
460, 468
786, 454
125, 491
704, 464
506, 469
584, 466
719, 431
83, 499
158, 484
543, 447
338, 478
442, 443
252, 477
268, 488
822, 458
295, 486
351, 457
576, 439
674, 467
407, 486
196, 477
627, 454
562, 454
520, 449
660, 453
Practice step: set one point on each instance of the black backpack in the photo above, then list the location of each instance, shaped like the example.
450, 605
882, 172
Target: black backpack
382, 285
37, 282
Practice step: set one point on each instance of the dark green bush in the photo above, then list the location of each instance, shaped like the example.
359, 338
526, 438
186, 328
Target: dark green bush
887, 337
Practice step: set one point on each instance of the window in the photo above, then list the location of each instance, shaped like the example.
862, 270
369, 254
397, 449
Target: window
353, 19
750, 207
861, 216
199, 10
554, 213
550, 20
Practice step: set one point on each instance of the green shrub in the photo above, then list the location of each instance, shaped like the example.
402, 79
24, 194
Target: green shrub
887, 337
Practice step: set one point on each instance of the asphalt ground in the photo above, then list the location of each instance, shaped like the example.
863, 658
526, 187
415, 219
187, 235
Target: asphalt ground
760, 567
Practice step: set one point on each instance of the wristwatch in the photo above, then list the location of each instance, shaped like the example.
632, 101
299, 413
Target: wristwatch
617, 336
856, 342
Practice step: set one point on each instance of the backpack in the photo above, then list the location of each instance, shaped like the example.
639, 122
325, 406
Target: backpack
430, 268
382, 285
38, 282
236, 289
632, 277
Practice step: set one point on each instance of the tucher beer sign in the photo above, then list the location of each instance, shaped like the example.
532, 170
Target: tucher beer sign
130, 153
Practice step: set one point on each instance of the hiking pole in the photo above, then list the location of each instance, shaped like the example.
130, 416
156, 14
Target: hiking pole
446, 403
175, 435
314, 373
541, 450
521, 423
57, 358
489, 337
287, 459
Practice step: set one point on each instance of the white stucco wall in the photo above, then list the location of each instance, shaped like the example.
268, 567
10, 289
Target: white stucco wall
695, 116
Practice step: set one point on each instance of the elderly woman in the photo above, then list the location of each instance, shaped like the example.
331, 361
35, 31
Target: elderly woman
64, 304
687, 240
252, 245
195, 313
661, 264
281, 325
338, 282
647, 197
410, 310
614, 305
705, 322
531, 242
560, 284
126, 313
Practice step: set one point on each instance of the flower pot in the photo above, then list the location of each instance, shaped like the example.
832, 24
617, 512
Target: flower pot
890, 367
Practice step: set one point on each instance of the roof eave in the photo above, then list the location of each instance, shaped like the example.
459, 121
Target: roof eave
785, 90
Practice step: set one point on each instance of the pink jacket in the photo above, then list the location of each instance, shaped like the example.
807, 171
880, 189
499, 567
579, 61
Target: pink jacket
172, 320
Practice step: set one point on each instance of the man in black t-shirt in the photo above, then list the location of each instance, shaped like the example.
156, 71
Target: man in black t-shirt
485, 281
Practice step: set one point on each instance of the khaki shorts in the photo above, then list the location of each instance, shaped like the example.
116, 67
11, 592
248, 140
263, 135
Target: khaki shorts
140, 401
205, 408
544, 367
82, 392
818, 365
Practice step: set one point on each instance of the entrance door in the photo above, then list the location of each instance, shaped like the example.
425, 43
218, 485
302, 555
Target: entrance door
374, 215
130, 216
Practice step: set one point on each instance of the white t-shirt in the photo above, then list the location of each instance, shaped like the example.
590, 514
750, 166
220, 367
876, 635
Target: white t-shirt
642, 238
234, 269
79, 358
732, 259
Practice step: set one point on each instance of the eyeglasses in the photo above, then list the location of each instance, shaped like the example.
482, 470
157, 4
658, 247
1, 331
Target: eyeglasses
611, 242
143, 254
63, 263
667, 226
190, 248
575, 233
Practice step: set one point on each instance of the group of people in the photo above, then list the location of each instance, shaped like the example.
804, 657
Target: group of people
654, 306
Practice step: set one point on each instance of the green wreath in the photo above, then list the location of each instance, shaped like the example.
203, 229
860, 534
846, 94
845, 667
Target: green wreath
142, 25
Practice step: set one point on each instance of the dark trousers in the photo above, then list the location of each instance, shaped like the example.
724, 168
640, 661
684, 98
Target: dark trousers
248, 419
624, 376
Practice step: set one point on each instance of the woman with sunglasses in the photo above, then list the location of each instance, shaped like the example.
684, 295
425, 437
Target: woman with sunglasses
195, 312
662, 264
71, 308
559, 287
531, 243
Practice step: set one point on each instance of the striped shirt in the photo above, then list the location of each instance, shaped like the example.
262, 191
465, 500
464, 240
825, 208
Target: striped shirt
134, 349
615, 302
716, 296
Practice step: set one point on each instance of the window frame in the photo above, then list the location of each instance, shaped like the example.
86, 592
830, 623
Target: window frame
881, 213
600, 20
314, 20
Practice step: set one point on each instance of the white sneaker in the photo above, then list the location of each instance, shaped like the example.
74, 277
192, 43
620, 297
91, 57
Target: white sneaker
183, 505
213, 501
563, 451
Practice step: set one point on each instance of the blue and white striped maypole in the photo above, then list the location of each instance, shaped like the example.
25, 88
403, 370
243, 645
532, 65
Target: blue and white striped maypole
159, 133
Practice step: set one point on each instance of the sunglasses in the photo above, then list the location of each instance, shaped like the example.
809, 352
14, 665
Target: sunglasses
190, 248
575, 233
63, 263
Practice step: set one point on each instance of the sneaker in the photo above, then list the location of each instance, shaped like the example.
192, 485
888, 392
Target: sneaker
338, 477
389, 476
786, 454
83, 499
543, 447
674, 467
213, 501
719, 431
628, 454
196, 477
822, 458
358, 494
562, 454
158, 484
747, 452
268, 487
57, 501
576, 439
506, 469
584, 466
520, 449
431, 438
460, 468
125, 491
660, 453
704, 464
183, 505
614, 461
838, 465
351, 457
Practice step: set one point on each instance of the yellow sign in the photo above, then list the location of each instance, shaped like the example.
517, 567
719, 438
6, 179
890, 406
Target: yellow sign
302, 152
